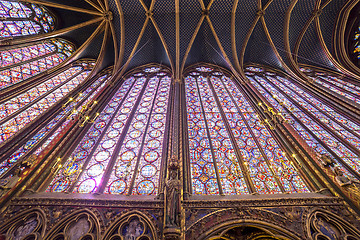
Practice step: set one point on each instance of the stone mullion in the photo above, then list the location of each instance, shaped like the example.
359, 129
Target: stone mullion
280, 136
31, 129
112, 161
337, 87
319, 140
136, 170
12, 115
170, 141
258, 144
334, 102
109, 93
23, 86
75, 141
347, 108
329, 116
240, 158
345, 142
185, 151
340, 109
210, 141
29, 60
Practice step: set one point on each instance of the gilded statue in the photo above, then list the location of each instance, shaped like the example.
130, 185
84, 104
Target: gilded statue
173, 188
343, 180
326, 160
9, 182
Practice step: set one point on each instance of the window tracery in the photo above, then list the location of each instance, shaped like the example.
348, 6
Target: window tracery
231, 152
17, 112
335, 83
19, 63
22, 19
42, 138
323, 129
122, 151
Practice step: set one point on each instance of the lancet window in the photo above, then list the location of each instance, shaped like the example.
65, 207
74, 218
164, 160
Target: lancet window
19, 111
335, 82
20, 63
124, 149
22, 19
231, 151
323, 129
74, 106
356, 41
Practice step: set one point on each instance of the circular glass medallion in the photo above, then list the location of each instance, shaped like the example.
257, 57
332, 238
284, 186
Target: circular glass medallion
158, 117
117, 187
127, 156
155, 133
159, 110
139, 125
135, 133
87, 186
99, 125
148, 171
108, 143
145, 188
153, 144
125, 110
102, 156
117, 125
113, 134
157, 124
60, 186
132, 143
141, 117
151, 156
81, 155
88, 144
109, 110
95, 170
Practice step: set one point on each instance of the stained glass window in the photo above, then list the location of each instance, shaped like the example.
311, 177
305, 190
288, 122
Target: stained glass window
231, 151
23, 62
42, 138
123, 150
323, 129
356, 41
337, 83
22, 19
17, 112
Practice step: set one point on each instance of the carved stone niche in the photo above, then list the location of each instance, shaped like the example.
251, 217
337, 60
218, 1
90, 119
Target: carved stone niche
324, 225
79, 225
247, 233
131, 226
28, 225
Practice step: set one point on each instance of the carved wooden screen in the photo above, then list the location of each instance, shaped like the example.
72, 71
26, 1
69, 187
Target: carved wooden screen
231, 152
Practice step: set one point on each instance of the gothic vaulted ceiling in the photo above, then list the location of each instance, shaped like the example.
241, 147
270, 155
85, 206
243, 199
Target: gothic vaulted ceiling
177, 33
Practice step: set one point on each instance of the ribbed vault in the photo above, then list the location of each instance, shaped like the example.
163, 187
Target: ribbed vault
178, 33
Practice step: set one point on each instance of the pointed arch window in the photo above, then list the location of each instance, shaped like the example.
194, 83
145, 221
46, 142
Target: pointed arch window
335, 82
323, 129
19, 63
122, 151
19, 111
231, 151
23, 19
46, 134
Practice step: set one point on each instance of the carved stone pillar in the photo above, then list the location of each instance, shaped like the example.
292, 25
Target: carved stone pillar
172, 230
